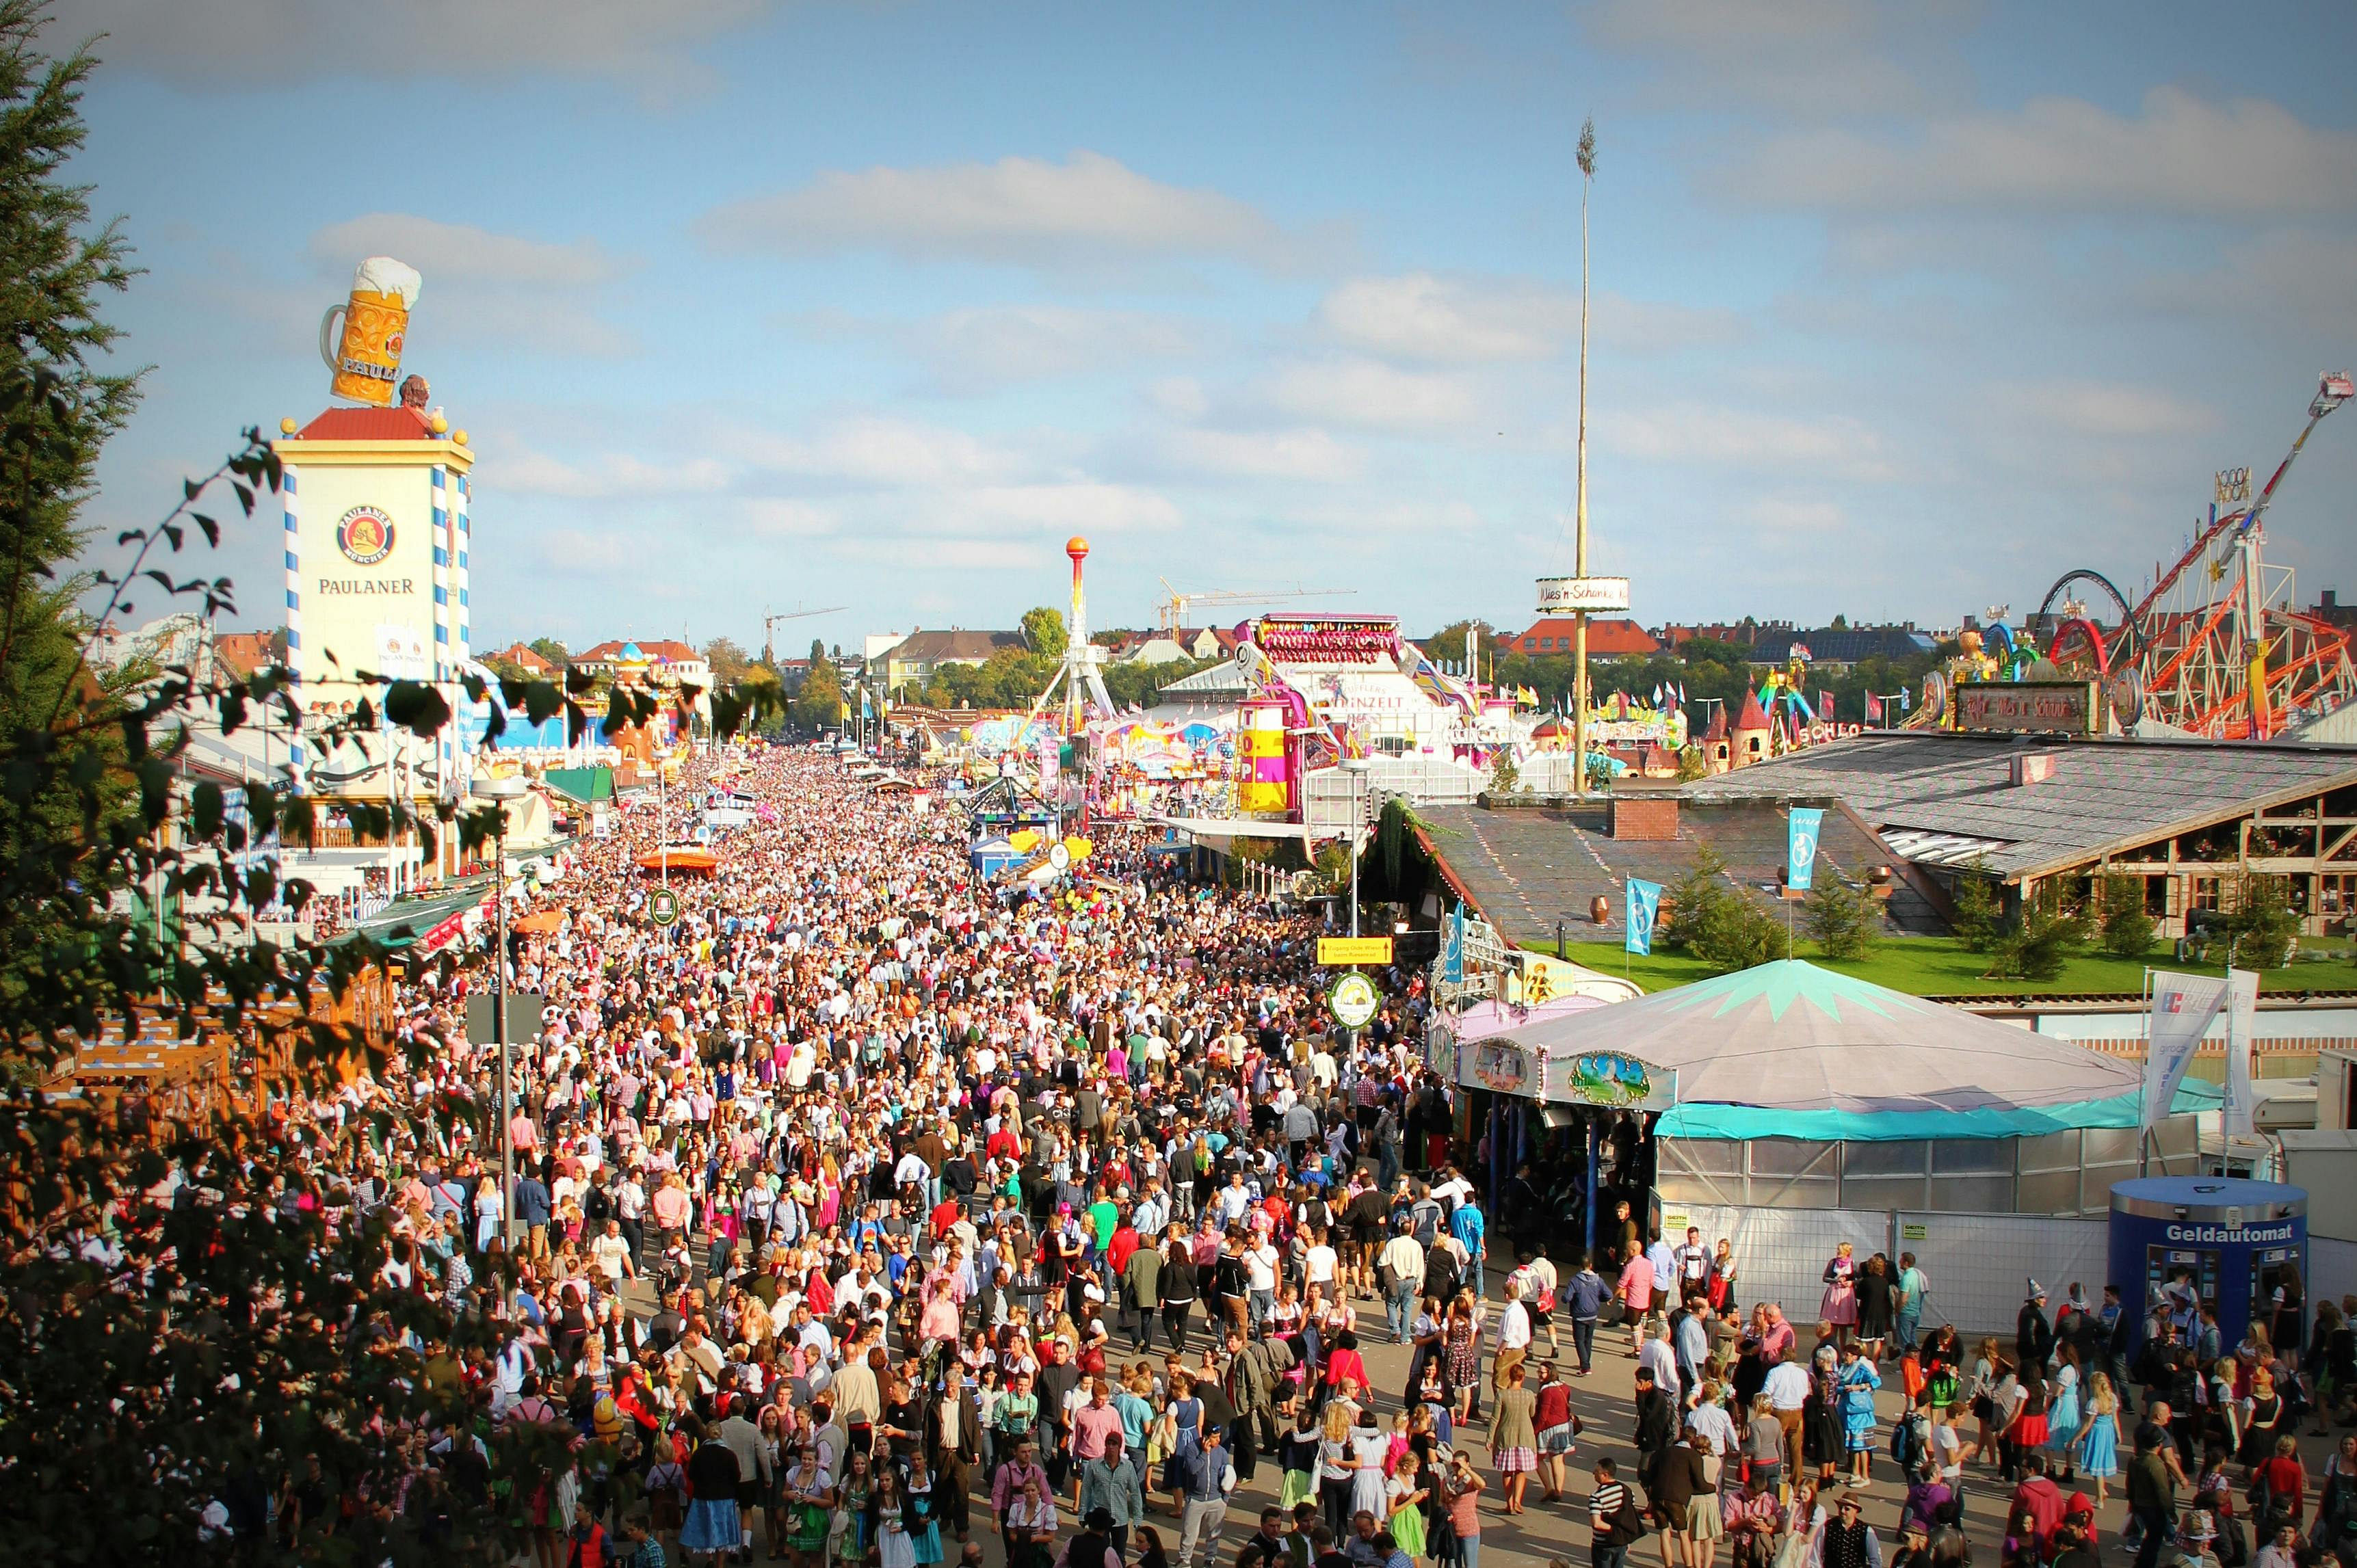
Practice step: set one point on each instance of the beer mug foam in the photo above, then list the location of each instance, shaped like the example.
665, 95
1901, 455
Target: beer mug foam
367, 358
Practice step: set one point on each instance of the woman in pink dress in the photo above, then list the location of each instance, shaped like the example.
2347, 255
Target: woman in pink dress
1839, 1308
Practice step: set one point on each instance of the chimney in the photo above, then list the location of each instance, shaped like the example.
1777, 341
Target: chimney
2034, 767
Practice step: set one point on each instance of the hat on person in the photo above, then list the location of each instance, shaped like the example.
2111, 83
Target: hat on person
2036, 1291
2202, 1526
1914, 1525
1099, 1520
2081, 1506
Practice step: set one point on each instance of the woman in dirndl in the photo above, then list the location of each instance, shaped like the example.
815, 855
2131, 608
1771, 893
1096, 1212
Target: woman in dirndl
924, 1520
1839, 1308
809, 1500
1405, 1498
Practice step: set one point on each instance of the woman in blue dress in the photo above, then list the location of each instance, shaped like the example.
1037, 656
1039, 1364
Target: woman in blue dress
1856, 1381
2062, 1410
2099, 1435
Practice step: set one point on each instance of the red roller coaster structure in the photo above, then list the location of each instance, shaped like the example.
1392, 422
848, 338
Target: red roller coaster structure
2221, 650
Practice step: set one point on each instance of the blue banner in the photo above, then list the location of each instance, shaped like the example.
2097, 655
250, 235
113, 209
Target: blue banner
1452, 948
1644, 903
1800, 845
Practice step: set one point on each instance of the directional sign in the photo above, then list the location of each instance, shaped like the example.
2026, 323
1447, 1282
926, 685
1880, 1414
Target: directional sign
662, 905
1333, 951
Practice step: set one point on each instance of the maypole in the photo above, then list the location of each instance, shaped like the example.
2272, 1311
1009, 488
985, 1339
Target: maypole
1580, 596
1579, 541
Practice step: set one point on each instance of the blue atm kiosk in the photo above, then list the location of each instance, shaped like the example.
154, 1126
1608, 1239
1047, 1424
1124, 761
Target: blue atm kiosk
2213, 1240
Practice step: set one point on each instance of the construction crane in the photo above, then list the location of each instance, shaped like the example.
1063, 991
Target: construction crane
1175, 604
769, 629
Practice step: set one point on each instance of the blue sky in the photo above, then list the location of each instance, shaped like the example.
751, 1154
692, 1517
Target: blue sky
1898, 311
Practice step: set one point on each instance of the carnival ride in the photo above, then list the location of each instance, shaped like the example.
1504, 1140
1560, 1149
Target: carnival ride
1079, 677
2216, 647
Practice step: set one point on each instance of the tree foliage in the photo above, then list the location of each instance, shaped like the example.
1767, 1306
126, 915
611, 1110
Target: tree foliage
2045, 932
729, 661
2125, 930
187, 1312
1712, 920
1843, 918
2255, 931
1044, 632
1973, 899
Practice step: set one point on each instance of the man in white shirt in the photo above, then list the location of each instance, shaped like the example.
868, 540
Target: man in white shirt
1787, 1387
1513, 1335
1657, 1357
611, 1254
1401, 1262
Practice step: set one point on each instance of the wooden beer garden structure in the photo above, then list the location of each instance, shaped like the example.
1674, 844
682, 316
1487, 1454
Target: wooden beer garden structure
190, 1081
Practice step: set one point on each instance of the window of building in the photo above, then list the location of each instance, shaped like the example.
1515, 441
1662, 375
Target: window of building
2336, 892
2208, 894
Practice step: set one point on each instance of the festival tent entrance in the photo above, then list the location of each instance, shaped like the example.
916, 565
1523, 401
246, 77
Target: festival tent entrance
1791, 1088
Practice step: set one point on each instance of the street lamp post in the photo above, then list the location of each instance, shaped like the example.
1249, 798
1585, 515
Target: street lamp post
1356, 767
501, 792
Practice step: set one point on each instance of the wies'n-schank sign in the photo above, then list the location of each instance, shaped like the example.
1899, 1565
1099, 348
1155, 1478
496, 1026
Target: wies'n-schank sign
2040, 706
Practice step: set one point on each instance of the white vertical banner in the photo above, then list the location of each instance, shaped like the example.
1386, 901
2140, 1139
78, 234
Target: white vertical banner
2183, 1008
2242, 1020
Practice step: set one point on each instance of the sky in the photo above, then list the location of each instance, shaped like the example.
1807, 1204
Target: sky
1897, 312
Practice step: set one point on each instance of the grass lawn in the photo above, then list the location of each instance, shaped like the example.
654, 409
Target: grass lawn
1943, 966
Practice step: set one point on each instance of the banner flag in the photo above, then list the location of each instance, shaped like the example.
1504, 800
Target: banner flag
1644, 903
2242, 1016
1800, 845
2183, 1008
1452, 948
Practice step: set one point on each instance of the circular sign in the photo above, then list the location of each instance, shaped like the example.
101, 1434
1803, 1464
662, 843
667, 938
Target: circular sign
1353, 1001
662, 905
1058, 856
365, 535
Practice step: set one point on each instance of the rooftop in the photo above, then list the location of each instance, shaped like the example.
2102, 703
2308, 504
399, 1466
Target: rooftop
1949, 799
368, 424
1528, 868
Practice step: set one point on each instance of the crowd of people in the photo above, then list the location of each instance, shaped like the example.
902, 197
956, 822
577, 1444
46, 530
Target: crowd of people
868, 1215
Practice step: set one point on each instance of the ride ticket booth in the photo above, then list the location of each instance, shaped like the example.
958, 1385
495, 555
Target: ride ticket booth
2206, 1241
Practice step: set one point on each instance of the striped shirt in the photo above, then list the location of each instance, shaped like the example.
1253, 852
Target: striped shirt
1602, 1504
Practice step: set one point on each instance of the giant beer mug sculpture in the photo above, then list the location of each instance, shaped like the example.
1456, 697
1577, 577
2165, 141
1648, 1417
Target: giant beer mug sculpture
367, 358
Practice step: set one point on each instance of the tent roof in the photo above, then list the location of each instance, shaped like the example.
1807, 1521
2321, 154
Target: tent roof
1790, 1050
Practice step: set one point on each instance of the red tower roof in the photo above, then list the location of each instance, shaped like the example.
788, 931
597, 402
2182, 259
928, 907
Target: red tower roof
1753, 715
368, 424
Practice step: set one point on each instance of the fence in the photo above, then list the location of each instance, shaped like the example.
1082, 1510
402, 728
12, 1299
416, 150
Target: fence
1979, 1265
1427, 780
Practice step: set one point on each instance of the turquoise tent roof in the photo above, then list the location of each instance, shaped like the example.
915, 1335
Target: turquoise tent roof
1790, 1050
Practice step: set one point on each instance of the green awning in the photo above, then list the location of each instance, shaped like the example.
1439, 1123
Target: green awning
587, 785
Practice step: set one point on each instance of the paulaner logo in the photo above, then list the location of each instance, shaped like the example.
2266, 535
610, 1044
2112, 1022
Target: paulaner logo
365, 535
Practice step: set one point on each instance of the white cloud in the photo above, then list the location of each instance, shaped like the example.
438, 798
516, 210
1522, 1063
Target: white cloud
1806, 58
2105, 409
1369, 393
779, 518
2182, 154
982, 348
249, 42
1060, 509
463, 252
1416, 315
1832, 445
1082, 212
1264, 453
613, 476
885, 453
1783, 515
1461, 320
